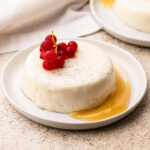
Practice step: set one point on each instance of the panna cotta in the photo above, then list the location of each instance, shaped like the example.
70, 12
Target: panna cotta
134, 13
84, 82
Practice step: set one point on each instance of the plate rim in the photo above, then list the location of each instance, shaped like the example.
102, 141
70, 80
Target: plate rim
116, 34
120, 115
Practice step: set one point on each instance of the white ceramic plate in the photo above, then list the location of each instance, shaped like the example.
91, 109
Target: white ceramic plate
109, 22
11, 79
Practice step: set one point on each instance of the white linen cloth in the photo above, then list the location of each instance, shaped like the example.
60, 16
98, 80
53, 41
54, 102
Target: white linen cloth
27, 22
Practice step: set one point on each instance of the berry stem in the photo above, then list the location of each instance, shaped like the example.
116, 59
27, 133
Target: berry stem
54, 42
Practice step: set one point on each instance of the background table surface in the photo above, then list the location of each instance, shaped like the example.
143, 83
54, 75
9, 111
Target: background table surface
131, 133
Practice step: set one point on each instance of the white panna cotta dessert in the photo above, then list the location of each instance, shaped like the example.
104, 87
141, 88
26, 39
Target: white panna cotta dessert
135, 13
84, 82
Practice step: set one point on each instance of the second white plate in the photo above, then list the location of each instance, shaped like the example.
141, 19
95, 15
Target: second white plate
107, 19
11, 85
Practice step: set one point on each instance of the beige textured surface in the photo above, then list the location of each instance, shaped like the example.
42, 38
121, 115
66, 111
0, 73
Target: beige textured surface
131, 133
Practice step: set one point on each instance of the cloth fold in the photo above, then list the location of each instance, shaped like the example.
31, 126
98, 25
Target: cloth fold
27, 22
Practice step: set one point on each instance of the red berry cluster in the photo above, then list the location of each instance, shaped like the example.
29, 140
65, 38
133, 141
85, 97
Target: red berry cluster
54, 55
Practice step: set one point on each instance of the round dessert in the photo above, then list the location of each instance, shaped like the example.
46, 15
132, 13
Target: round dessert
135, 13
83, 82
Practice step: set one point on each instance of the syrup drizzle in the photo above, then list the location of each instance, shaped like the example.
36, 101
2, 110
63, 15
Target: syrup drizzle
116, 103
107, 3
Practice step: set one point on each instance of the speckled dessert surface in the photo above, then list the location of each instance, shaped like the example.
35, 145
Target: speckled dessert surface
63, 90
131, 133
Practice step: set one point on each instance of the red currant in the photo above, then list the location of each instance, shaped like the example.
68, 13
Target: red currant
52, 49
47, 45
61, 53
70, 52
49, 38
61, 46
41, 49
73, 44
59, 62
53, 54
42, 55
48, 66
50, 56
